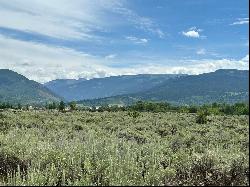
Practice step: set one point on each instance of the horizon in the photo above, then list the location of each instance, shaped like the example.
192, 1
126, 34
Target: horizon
51, 40
128, 75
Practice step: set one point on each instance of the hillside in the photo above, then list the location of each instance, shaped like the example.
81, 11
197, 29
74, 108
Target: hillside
228, 86
106, 87
15, 88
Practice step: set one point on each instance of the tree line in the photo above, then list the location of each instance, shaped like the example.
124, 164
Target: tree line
143, 106
214, 108
7, 105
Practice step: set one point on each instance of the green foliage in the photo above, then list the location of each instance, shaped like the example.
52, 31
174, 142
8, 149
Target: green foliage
192, 109
61, 106
150, 106
134, 114
84, 148
140, 106
72, 105
6, 105
215, 108
202, 116
51, 106
19, 106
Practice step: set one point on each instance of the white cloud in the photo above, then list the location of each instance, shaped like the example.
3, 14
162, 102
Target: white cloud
199, 66
140, 22
57, 18
66, 19
201, 51
246, 58
137, 40
160, 33
192, 34
44, 63
241, 21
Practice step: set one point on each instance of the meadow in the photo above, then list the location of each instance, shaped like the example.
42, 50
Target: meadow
119, 148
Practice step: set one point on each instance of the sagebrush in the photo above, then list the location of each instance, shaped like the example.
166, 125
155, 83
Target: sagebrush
117, 148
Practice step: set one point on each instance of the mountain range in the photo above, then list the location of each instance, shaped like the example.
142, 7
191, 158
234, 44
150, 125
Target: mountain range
225, 85
105, 87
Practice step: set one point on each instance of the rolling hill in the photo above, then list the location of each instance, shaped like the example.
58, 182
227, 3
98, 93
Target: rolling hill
15, 88
105, 87
227, 85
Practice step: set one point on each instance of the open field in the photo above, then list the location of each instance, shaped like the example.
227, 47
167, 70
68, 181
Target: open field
117, 148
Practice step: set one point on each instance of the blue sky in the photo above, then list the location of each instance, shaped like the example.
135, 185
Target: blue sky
52, 39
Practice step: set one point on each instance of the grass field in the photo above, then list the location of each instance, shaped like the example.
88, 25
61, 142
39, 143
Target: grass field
117, 148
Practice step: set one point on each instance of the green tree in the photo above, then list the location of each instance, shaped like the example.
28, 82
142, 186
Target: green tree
93, 109
61, 106
19, 106
72, 105
193, 109
241, 109
53, 106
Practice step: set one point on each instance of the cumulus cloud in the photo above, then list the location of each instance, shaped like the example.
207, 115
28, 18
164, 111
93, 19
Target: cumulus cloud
193, 32
44, 63
137, 40
241, 21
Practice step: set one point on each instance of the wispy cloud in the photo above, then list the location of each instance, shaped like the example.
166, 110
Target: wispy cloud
111, 56
241, 21
60, 19
201, 51
140, 22
77, 20
137, 40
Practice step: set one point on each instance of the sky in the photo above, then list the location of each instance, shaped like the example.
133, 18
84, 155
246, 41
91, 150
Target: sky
70, 39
